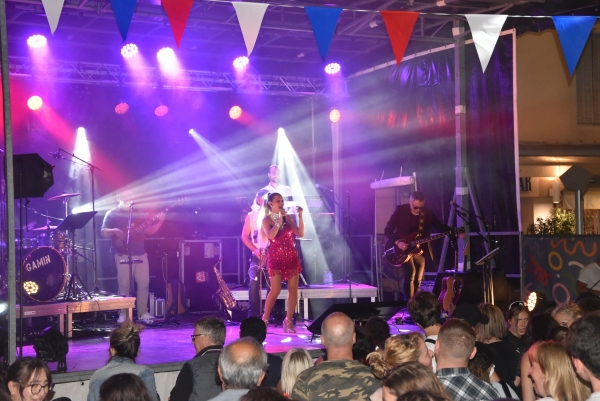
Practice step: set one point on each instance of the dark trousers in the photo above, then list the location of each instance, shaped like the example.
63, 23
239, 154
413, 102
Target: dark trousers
413, 274
254, 293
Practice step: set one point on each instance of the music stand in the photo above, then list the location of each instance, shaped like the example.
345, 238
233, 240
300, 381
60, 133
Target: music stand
73, 222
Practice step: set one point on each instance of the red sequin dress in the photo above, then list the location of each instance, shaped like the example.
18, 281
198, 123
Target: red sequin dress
282, 256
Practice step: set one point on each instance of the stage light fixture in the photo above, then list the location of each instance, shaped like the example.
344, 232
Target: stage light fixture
280, 131
129, 50
166, 55
36, 41
161, 110
536, 301
51, 346
235, 112
121, 108
332, 68
241, 62
335, 116
35, 103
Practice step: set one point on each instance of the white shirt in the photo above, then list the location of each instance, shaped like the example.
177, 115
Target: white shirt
431, 346
281, 189
260, 241
590, 275
595, 396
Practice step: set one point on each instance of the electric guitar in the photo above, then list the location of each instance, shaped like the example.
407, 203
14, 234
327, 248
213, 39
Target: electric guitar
139, 227
452, 285
397, 257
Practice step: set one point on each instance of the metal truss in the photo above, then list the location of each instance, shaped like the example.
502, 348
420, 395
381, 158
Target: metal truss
114, 74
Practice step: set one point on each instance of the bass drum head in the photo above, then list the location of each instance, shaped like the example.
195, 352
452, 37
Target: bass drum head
44, 274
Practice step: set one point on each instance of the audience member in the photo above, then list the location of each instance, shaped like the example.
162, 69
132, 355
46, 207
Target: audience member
378, 330
411, 376
255, 327
399, 349
295, 362
421, 395
28, 379
242, 366
425, 310
553, 374
558, 334
482, 366
538, 328
264, 393
583, 343
124, 387
505, 356
363, 346
453, 349
517, 317
339, 377
197, 379
566, 314
124, 347
471, 314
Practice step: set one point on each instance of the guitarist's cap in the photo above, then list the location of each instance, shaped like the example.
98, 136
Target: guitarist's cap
471, 314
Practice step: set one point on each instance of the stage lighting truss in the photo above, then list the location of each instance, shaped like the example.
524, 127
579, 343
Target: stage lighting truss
113, 74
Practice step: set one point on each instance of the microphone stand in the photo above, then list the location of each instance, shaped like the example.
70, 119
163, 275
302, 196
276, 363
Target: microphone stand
91, 168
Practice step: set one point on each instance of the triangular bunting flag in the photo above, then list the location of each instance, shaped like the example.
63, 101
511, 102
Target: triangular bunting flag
573, 33
399, 25
485, 29
250, 17
123, 10
178, 12
53, 8
324, 21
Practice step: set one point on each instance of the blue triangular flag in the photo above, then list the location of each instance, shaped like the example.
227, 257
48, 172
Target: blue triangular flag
123, 10
323, 21
573, 33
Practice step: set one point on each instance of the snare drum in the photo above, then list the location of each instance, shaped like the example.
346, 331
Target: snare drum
44, 274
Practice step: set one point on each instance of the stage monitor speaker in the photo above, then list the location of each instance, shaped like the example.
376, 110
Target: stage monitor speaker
198, 257
362, 311
32, 175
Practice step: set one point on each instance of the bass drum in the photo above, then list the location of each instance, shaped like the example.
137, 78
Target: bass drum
44, 274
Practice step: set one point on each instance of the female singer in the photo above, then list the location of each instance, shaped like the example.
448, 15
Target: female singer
282, 259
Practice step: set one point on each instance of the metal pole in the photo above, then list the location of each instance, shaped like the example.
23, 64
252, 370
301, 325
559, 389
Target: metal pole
578, 213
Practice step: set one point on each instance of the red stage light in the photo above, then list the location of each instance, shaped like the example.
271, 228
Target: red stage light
161, 110
121, 108
35, 103
335, 116
235, 112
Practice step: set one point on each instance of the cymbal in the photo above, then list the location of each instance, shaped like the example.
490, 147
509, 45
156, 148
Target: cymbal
63, 196
44, 228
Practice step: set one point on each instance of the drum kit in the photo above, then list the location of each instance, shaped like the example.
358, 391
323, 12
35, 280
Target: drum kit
45, 258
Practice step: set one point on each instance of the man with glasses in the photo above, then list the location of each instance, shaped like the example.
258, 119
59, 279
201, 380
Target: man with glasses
197, 379
408, 219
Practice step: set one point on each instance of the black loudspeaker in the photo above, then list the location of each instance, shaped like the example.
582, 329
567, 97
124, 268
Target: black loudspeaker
362, 311
198, 275
32, 175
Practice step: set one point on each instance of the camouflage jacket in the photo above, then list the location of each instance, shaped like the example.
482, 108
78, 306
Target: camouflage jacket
336, 380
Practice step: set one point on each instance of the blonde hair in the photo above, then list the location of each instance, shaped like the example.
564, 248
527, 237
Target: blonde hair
398, 349
562, 383
496, 326
295, 362
570, 308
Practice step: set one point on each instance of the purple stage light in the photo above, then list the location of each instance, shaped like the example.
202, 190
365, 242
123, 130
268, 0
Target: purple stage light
235, 112
335, 116
161, 110
129, 50
332, 68
241, 62
166, 55
35, 103
36, 41
121, 108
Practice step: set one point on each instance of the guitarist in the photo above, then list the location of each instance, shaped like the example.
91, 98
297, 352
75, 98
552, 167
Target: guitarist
114, 227
407, 219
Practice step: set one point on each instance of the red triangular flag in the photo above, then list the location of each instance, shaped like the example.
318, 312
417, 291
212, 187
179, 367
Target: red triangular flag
178, 12
399, 25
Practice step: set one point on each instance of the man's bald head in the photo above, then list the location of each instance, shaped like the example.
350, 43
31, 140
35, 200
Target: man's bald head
338, 331
242, 364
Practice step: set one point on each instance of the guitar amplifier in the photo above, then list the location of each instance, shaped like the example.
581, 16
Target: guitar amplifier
197, 261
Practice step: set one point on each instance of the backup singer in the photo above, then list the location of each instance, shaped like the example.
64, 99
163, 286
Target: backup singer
283, 261
274, 185
407, 219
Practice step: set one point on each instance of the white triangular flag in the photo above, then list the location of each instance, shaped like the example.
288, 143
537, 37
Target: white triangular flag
53, 8
485, 30
250, 16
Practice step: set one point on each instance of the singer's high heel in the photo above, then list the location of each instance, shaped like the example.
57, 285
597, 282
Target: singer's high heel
288, 326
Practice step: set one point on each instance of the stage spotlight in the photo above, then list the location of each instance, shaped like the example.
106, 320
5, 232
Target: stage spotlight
36, 41
51, 346
332, 68
280, 131
335, 116
161, 110
35, 103
241, 62
121, 108
536, 301
129, 50
235, 112
166, 55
